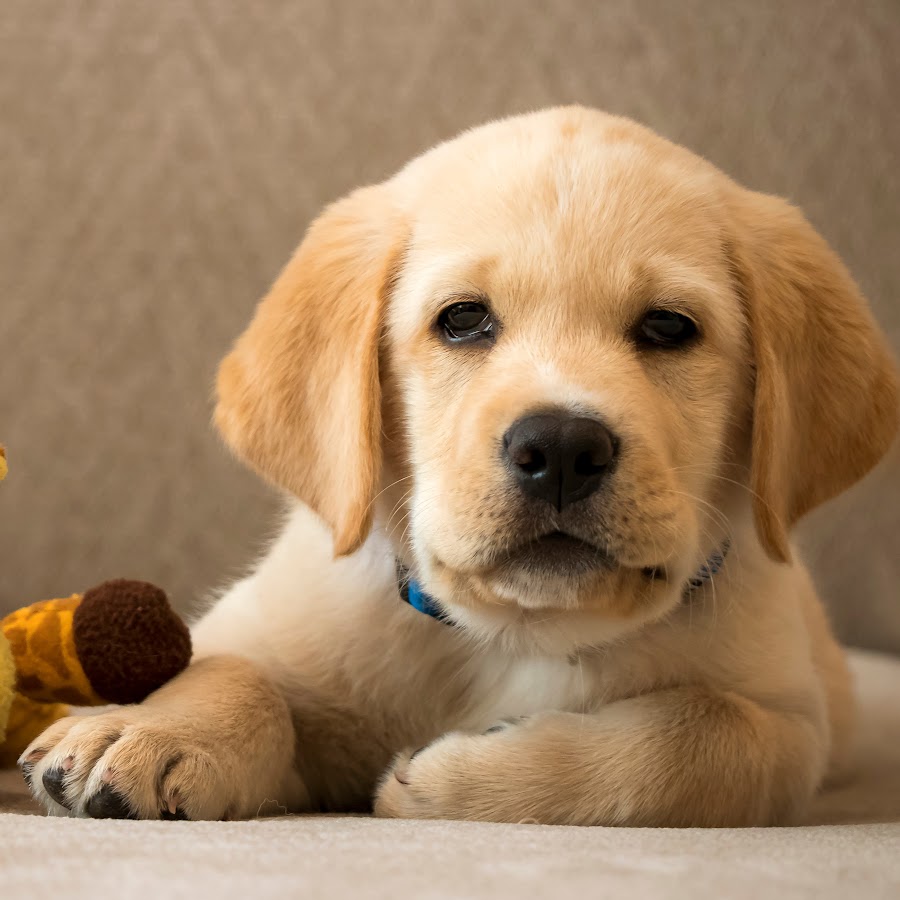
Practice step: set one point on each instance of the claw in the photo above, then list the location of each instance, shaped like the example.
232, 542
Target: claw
173, 815
34, 757
503, 724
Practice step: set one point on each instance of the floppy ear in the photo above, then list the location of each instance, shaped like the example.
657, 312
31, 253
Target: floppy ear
299, 396
826, 398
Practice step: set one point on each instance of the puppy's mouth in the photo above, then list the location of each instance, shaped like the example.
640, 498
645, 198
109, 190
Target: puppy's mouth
557, 553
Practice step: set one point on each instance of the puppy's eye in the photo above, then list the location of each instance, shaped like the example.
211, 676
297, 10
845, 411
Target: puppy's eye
666, 328
465, 322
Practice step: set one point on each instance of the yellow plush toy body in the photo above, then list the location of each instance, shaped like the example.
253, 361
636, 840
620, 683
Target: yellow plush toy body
116, 643
7, 690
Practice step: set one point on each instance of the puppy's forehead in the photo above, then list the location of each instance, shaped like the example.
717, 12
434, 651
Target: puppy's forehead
570, 194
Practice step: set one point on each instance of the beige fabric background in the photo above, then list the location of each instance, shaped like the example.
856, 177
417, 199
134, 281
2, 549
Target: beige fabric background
159, 160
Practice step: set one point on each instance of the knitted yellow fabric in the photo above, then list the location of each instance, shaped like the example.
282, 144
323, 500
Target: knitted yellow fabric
43, 647
27, 719
7, 683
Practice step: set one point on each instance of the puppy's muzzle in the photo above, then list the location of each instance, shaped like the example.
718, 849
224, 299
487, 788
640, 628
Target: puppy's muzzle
559, 458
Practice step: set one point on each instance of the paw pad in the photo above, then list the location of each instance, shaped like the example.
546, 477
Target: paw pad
54, 781
108, 804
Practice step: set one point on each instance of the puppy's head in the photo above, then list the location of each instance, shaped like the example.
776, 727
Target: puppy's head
560, 358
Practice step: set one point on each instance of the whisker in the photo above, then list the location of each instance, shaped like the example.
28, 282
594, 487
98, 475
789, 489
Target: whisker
384, 489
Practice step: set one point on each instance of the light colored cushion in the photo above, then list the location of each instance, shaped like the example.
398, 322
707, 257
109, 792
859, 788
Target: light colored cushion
849, 848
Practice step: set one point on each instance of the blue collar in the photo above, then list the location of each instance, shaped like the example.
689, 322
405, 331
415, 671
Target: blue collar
711, 567
411, 591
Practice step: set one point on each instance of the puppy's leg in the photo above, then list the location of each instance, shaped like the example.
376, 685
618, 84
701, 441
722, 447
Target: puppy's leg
682, 757
216, 742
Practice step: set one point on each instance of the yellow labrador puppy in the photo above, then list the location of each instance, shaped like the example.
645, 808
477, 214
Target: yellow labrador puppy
550, 400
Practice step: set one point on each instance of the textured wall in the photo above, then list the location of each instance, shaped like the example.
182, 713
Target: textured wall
159, 160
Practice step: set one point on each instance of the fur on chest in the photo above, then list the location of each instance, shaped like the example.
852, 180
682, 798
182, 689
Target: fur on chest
504, 687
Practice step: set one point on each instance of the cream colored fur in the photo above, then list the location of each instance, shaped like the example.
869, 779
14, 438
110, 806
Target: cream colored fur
620, 701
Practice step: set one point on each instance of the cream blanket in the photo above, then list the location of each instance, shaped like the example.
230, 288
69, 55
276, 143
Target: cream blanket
849, 849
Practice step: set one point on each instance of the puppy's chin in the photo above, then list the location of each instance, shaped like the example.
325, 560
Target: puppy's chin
529, 587
557, 614
548, 609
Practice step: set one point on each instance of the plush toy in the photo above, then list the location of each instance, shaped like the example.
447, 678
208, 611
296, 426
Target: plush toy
116, 643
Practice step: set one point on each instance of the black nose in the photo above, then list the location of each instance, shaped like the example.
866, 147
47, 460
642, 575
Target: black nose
558, 457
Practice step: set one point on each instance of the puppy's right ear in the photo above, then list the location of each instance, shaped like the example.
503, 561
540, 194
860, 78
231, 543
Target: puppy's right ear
299, 396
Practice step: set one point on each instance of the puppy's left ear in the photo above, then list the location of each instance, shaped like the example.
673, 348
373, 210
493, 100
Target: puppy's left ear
826, 395
299, 395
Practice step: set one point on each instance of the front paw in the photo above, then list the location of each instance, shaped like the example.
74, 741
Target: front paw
124, 764
458, 776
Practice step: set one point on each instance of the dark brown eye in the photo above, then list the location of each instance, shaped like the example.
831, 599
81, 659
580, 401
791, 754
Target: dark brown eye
666, 328
465, 322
